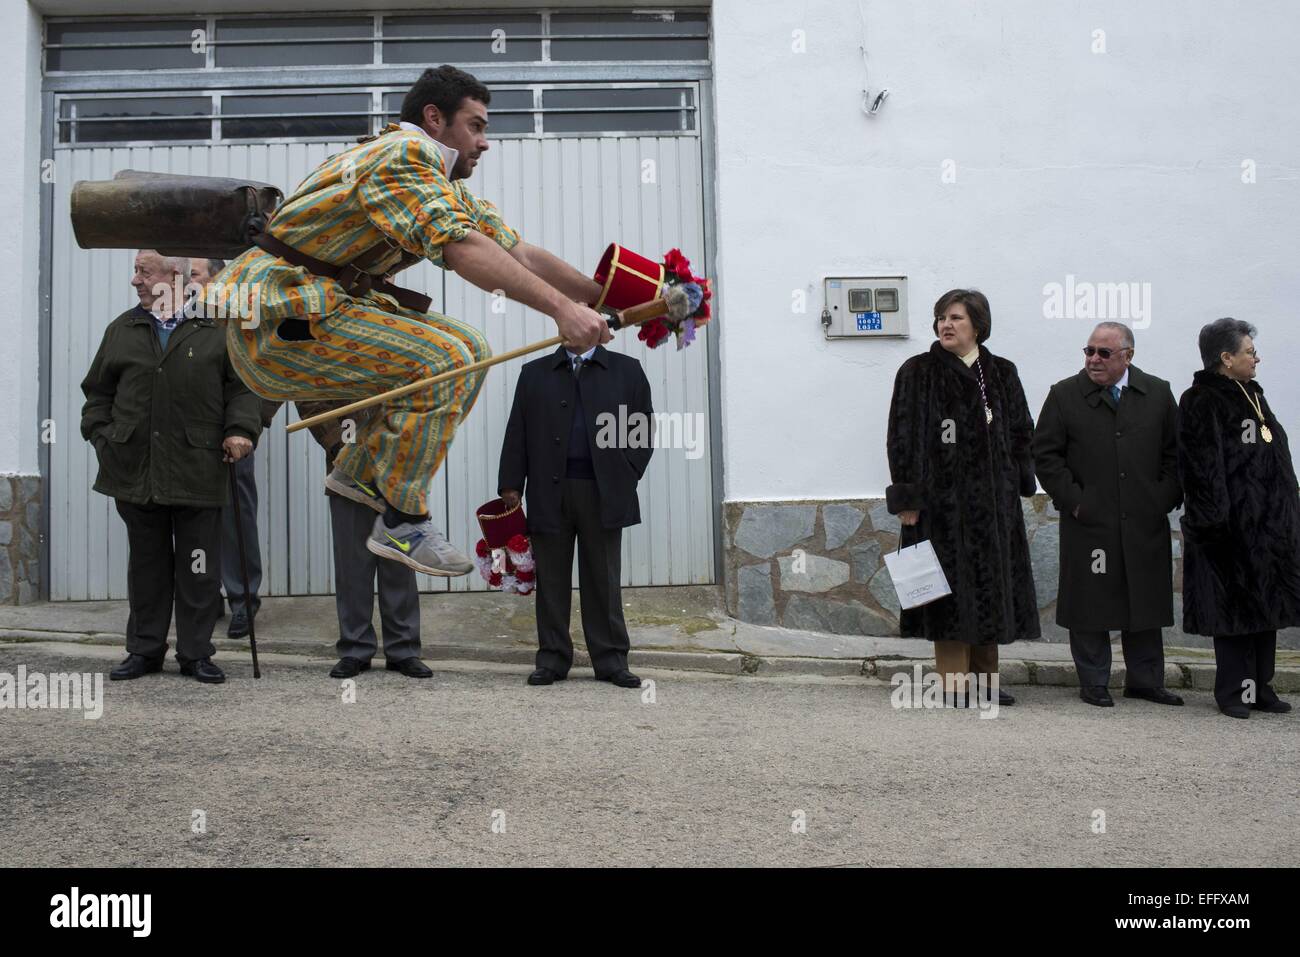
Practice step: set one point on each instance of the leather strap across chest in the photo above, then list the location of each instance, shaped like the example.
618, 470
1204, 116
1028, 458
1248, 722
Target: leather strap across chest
354, 276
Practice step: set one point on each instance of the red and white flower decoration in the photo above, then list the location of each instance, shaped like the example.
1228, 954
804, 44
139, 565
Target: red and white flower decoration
655, 331
512, 569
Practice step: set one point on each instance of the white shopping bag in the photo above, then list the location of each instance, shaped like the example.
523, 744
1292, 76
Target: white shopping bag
917, 575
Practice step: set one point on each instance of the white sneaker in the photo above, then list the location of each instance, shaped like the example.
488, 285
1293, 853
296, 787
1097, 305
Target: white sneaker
342, 484
419, 546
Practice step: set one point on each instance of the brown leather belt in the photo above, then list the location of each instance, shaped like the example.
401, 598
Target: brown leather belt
352, 276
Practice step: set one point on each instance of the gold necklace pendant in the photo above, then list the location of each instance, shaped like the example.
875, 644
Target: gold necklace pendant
1257, 407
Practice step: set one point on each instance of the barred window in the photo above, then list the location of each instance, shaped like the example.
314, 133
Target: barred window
123, 45
294, 41
344, 114
129, 119
477, 39
210, 43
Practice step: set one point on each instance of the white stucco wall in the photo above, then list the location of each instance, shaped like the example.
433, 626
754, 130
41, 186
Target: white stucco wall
1122, 166
20, 119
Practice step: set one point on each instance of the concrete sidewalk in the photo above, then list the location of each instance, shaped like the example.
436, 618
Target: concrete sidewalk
683, 628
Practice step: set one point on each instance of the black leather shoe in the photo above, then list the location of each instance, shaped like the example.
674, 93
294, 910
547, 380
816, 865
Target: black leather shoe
1097, 695
412, 667
544, 676
1235, 710
1276, 706
239, 626
135, 666
203, 670
623, 678
349, 667
1158, 695
1005, 698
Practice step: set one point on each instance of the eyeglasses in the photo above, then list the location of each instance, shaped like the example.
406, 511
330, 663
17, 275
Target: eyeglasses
1091, 351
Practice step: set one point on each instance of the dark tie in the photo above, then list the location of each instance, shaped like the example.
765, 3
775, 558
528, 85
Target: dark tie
1115, 393
577, 365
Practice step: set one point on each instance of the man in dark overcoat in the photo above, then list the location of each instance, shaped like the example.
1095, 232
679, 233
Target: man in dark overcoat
1105, 450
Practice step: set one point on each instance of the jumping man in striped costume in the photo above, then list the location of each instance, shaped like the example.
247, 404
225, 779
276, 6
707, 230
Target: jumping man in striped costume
322, 330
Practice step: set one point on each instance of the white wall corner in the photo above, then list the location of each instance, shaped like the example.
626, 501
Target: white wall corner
20, 241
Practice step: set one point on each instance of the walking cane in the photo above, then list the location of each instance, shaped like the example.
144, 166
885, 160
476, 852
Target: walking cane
243, 570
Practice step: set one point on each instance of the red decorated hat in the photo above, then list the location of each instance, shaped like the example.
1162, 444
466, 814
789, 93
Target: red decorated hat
627, 279
499, 523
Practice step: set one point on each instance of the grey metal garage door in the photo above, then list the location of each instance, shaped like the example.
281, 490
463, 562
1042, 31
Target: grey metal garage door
561, 175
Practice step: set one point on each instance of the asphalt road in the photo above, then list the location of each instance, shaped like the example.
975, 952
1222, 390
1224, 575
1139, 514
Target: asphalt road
474, 768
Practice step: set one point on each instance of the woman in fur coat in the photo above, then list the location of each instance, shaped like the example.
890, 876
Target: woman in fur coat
959, 460
1241, 525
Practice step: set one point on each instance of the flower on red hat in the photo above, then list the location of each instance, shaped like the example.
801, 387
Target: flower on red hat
481, 549
517, 543
495, 580
678, 265
654, 332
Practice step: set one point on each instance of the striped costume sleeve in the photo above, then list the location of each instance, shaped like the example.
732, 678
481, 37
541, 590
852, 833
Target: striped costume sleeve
488, 221
408, 197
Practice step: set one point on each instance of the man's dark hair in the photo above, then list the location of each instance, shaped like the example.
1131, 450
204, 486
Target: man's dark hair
977, 307
1220, 336
215, 266
446, 88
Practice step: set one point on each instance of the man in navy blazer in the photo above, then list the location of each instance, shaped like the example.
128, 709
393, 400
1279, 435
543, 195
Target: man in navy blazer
579, 438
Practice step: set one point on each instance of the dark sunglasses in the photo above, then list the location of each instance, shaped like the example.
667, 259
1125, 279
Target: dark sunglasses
1091, 351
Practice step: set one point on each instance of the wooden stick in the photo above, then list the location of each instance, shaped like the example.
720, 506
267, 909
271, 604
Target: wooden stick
629, 317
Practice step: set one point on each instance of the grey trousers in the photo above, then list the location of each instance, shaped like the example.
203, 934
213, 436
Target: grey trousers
355, 569
1144, 657
231, 576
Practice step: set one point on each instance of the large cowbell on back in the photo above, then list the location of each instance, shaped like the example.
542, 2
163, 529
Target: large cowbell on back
199, 216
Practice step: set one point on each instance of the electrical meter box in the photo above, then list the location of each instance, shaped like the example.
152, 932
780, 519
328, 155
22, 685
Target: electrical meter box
870, 307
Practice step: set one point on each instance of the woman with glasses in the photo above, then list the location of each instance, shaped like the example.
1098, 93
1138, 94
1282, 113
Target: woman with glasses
958, 445
1241, 527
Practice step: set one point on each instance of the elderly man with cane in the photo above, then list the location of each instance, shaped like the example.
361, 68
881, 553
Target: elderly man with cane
166, 413
1105, 451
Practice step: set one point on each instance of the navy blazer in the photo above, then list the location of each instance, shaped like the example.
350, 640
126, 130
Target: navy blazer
534, 454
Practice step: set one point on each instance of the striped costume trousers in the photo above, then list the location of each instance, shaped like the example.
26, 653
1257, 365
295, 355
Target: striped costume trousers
359, 349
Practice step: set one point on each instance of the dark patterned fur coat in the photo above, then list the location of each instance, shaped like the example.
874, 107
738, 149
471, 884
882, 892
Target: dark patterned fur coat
966, 477
1241, 527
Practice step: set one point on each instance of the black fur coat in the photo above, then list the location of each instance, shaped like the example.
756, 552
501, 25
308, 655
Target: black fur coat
966, 477
1241, 527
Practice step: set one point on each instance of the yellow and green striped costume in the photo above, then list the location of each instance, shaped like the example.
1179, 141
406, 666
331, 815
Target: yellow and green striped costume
394, 187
